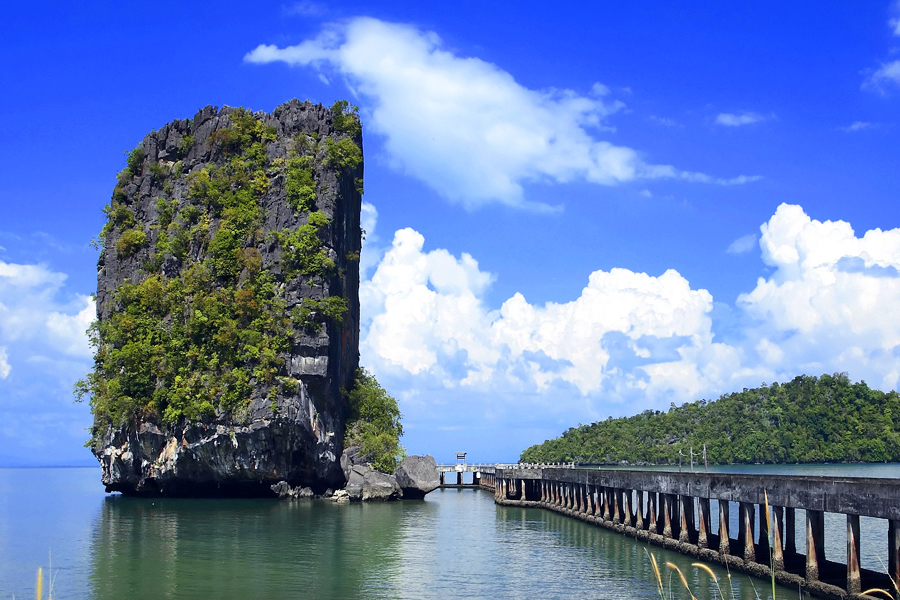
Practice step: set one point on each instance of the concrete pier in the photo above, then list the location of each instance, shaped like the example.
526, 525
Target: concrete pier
674, 510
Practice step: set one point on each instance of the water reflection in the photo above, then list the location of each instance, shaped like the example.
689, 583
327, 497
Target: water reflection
241, 549
617, 566
455, 544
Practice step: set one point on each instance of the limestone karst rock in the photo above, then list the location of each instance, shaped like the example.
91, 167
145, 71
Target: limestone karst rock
227, 303
417, 475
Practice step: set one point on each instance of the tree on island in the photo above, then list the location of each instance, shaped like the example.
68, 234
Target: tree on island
374, 424
809, 419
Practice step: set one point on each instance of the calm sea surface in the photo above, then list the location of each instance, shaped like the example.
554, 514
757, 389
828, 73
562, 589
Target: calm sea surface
455, 544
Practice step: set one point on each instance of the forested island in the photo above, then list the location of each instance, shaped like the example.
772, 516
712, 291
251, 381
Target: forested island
809, 419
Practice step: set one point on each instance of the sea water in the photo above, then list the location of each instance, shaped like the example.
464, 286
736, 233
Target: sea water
455, 544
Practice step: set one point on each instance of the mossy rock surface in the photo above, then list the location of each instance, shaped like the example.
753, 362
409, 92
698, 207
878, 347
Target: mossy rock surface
227, 303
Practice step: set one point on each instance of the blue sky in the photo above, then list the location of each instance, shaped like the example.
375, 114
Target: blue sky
572, 212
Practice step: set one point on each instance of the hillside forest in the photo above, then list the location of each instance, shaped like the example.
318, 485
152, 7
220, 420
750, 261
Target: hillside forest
809, 419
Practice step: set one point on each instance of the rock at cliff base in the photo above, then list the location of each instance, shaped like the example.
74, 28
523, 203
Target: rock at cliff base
417, 475
283, 490
351, 458
367, 485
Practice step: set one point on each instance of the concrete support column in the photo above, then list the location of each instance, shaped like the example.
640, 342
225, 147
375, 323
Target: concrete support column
522, 490
790, 531
666, 502
778, 537
606, 514
745, 532
703, 523
458, 478
724, 545
626, 507
639, 509
894, 552
815, 543
764, 534
652, 512
617, 506
853, 577
686, 522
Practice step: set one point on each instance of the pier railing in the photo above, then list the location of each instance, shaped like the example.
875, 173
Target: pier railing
676, 510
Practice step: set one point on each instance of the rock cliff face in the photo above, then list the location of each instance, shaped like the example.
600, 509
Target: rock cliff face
227, 301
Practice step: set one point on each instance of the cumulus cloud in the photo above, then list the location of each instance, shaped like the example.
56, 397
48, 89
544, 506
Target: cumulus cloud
627, 334
33, 319
628, 339
738, 119
464, 126
829, 302
743, 244
887, 75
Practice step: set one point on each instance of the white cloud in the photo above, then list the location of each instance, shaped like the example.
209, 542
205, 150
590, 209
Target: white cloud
858, 126
27, 276
464, 126
68, 331
894, 23
4, 363
886, 75
743, 244
663, 121
830, 303
627, 339
304, 9
627, 334
737, 120
33, 319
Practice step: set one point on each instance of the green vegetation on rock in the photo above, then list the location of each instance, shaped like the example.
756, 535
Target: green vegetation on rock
809, 419
374, 424
206, 322
346, 118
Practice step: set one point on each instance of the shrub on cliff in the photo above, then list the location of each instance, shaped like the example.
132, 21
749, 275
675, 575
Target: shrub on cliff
374, 423
203, 321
